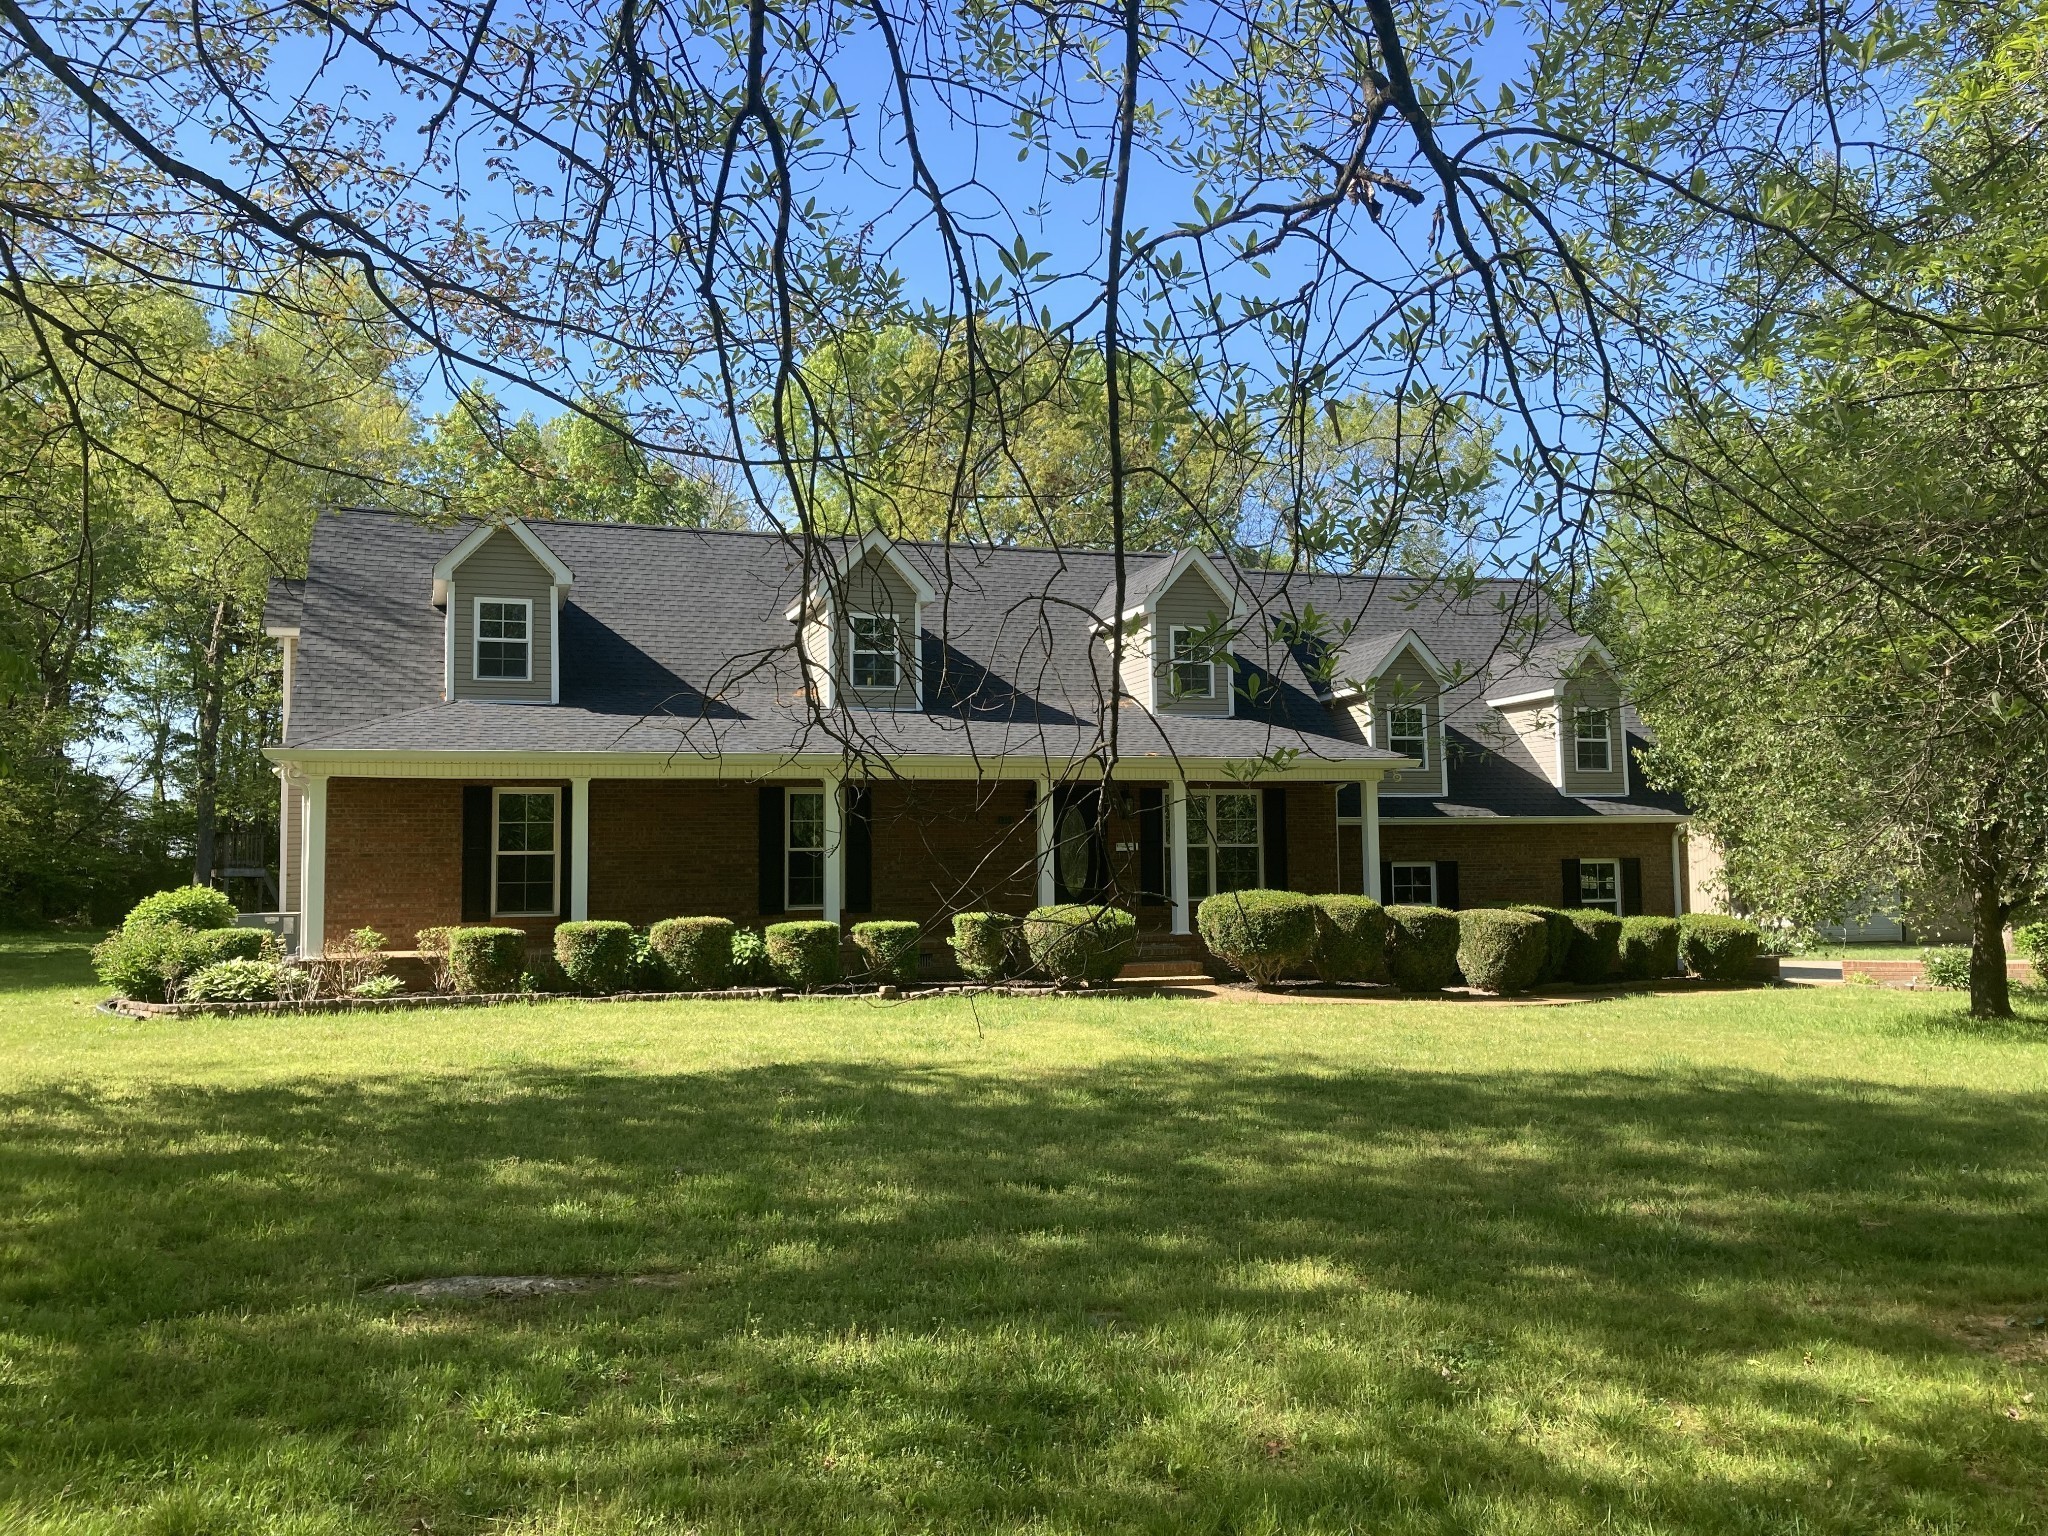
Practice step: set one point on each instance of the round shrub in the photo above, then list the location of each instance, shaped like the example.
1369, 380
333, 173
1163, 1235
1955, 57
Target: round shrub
749, 959
1351, 939
803, 955
1718, 948
985, 944
1265, 934
596, 956
1649, 948
1422, 948
189, 906
1595, 954
694, 952
486, 959
1947, 968
150, 963
1501, 951
889, 948
241, 981
1558, 929
1077, 942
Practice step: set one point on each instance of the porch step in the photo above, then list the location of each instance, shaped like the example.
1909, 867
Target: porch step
1163, 970
1170, 946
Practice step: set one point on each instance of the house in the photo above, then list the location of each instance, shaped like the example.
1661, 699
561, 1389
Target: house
524, 723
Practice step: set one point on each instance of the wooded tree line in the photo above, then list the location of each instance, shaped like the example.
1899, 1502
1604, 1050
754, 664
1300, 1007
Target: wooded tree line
1721, 320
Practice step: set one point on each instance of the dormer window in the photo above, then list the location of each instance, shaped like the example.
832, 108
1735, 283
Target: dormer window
1595, 748
1408, 731
504, 639
873, 662
1194, 670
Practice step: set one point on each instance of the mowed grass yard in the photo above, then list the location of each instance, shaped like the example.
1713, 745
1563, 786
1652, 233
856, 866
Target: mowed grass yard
1738, 1262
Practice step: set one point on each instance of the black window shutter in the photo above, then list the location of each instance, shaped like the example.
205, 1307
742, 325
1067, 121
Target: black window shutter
1386, 879
1275, 829
1571, 883
771, 900
1631, 887
568, 849
476, 853
1152, 847
1447, 883
860, 848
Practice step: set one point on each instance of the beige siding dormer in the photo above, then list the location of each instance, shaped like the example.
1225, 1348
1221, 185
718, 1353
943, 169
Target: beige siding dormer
1592, 687
1191, 603
874, 589
502, 571
1406, 683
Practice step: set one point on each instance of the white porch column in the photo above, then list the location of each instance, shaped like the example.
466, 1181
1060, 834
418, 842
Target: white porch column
579, 850
835, 850
1041, 811
1177, 857
287, 845
1677, 873
1372, 840
313, 872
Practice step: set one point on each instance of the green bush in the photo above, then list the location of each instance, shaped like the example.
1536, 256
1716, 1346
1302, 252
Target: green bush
486, 959
889, 948
985, 944
2030, 943
1351, 939
1501, 951
1595, 954
1718, 948
1947, 968
150, 963
189, 906
378, 986
1649, 948
749, 959
1265, 934
1422, 948
241, 981
596, 956
1558, 929
695, 953
432, 944
803, 955
1077, 942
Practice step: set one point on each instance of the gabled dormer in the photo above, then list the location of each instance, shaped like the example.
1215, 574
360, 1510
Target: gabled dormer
500, 591
861, 624
1393, 684
1180, 618
1564, 701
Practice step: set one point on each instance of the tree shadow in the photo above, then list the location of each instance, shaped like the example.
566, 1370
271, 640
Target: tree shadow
1154, 1296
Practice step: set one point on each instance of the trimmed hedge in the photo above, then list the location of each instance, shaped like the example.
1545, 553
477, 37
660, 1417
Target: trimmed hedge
1649, 948
1351, 939
1078, 942
1558, 929
889, 947
597, 955
242, 981
1595, 954
985, 944
192, 907
1718, 948
805, 954
486, 959
695, 953
1422, 948
150, 963
1501, 951
1263, 933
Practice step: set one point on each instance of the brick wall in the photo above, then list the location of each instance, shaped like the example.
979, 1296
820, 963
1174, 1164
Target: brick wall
1518, 862
663, 849
394, 856
941, 848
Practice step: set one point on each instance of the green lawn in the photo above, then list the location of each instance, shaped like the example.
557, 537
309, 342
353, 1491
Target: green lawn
1733, 1262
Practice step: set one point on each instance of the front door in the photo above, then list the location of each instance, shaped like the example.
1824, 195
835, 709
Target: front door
1080, 866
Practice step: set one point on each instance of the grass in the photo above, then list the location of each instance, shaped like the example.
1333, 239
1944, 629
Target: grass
1738, 1262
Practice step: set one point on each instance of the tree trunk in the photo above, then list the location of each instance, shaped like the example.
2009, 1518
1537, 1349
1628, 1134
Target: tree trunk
205, 790
1990, 996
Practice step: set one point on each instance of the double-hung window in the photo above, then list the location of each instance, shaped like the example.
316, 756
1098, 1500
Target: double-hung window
504, 639
804, 845
1600, 884
1412, 885
1223, 842
1595, 747
1408, 731
1194, 667
874, 662
523, 853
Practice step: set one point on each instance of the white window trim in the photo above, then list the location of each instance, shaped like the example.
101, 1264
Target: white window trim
1605, 738
1174, 691
554, 793
1398, 865
788, 816
1205, 850
895, 653
1620, 897
476, 635
1424, 737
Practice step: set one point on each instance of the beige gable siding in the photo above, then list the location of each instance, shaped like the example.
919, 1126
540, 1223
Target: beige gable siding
1593, 687
1190, 603
500, 567
1536, 725
876, 586
1407, 682
1137, 667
